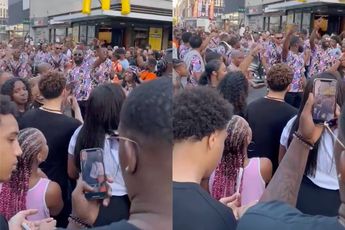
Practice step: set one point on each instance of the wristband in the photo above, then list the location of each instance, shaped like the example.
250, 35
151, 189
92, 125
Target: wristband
78, 221
303, 141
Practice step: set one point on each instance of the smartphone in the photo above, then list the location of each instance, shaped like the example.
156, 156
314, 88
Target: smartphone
324, 100
93, 172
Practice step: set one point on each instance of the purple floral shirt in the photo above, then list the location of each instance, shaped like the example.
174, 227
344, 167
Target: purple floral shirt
79, 77
321, 60
58, 63
18, 68
183, 50
273, 54
296, 62
102, 73
41, 57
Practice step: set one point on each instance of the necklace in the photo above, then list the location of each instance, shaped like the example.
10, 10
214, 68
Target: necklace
274, 98
51, 110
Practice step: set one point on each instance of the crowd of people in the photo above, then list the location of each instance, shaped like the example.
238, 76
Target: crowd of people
59, 100
175, 144
267, 164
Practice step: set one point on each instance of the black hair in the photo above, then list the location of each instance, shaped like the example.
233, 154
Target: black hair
205, 78
102, 117
234, 88
7, 106
233, 40
149, 118
195, 41
186, 37
336, 38
8, 88
211, 55
340, 99
199, 112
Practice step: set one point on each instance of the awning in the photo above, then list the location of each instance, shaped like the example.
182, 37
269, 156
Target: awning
96, 14
295, 5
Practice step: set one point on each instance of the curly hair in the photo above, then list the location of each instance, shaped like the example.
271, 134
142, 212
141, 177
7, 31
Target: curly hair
234, 88
233, 158
279, 77
52, 84
199, 112
13, 193
8, 88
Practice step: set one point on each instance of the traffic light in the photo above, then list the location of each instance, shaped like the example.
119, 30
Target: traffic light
126, 7
86, 7
105, 4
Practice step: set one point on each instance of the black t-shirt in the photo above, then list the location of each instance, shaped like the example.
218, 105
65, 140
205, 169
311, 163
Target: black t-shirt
267, 119
278, 215
194, 208
58, 130
3, 223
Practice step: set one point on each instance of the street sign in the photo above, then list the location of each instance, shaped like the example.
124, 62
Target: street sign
241, 10
26, 21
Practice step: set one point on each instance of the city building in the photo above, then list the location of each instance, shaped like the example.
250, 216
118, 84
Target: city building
18, 18
149, 22
275, 15
3, 19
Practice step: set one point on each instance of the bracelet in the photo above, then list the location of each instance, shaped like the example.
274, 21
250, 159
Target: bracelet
78, 221
303, 141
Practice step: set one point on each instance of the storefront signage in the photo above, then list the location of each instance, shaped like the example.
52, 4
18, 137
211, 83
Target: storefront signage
155, 38
254, 10
40, 22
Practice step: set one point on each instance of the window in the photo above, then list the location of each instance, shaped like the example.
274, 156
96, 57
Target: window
1, 13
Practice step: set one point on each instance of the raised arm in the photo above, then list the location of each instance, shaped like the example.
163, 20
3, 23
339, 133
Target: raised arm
286, 182
314, 35
286, 45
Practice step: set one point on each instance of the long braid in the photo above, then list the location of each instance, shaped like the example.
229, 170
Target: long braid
233, 158
13, 193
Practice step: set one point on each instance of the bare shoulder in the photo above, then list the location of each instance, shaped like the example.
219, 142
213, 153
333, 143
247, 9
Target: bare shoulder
266, 169
53, 191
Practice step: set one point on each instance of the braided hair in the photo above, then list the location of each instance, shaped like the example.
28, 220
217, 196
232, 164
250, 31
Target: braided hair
13, 193
239, 133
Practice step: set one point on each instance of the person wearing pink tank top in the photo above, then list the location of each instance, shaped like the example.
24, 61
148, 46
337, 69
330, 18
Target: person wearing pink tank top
257, 172
28, 187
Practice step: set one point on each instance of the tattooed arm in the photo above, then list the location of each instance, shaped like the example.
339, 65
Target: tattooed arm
286, 182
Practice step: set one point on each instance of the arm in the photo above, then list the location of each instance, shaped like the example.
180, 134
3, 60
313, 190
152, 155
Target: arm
71, 168
282, 151
266, 169
286, 45
207, 41
307, 56
249, 59
54, 199
313, 36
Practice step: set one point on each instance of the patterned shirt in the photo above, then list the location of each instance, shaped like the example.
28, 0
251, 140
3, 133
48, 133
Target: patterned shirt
183, 51
18, 68
321, 60
79, 77
195, 67
102, 73
58, 63
273, 54
296, 62
41, 57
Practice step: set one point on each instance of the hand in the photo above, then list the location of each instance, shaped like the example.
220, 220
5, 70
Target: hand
47, 225
232, 201
80, 203
291, 30
256, 50
240, 211
307, 128
72, 101
16, 221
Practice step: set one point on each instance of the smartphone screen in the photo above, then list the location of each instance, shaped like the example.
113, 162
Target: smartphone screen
324, 100
93, 172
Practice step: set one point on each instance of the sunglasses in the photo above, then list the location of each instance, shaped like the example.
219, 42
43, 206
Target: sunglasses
77, 54
279, 38
58, 48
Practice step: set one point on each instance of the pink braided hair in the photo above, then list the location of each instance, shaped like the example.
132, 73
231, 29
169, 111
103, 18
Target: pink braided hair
226, 173
13, 193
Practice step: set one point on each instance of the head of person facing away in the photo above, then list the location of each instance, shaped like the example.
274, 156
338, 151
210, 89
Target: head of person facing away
145, 151
200, 117
234, 154
9, 146
279, 78
53, 88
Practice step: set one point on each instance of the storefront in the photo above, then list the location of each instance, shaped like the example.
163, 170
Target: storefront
115, 30
254, 18
277, 16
